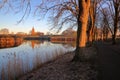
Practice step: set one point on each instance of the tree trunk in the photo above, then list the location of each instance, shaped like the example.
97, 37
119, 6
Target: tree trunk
91, 29
115, 25
81, 31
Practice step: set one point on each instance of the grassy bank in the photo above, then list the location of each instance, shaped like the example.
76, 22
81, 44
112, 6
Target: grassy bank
63, 69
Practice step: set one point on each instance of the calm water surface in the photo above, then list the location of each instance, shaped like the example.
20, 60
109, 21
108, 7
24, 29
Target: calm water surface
28, 56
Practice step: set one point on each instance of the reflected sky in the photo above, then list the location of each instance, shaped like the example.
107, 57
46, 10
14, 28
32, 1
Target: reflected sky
29, 55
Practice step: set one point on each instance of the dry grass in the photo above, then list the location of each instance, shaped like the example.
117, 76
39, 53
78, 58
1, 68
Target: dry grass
63, 69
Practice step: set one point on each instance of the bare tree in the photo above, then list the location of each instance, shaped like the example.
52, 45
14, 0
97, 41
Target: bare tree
72, 12
4, 31
116, 4
59, 12
112, 12
63, 12
107, 22
92, 19
16, 6
105, 29
82, 20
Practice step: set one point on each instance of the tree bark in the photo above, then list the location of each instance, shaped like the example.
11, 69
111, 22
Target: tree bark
81, 31
91, 27
115, 25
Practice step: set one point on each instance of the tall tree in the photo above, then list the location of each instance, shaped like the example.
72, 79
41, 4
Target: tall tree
82, 20
106, 22
69, 12
116, 4
112, 11
92, 17
64, 12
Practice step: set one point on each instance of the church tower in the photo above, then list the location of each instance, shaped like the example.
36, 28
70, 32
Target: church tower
33, 31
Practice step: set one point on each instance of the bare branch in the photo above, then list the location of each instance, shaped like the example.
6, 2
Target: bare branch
27, 10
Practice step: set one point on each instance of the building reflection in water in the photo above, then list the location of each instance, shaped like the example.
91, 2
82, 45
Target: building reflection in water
30, 55
35, 43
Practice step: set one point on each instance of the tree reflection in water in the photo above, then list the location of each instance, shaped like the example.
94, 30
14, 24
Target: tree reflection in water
30, 55
10, 42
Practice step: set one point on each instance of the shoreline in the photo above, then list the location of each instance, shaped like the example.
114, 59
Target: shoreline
62, 68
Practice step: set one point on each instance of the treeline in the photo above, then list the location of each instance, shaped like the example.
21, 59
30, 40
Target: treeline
87, 16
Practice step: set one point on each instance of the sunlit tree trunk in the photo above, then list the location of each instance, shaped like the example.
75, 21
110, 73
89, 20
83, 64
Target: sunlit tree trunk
81, 31
92, 23
92, 15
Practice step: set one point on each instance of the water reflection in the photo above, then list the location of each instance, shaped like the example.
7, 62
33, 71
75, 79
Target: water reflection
35, 43
29, 55
10, 42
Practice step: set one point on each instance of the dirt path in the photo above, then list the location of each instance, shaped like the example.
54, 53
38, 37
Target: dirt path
63, 69
108, 61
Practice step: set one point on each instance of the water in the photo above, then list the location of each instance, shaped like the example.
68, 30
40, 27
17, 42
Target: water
28, 56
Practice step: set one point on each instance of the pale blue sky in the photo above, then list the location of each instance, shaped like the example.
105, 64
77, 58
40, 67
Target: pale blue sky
10, 19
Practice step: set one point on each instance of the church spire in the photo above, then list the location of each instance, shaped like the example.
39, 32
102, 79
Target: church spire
33, 31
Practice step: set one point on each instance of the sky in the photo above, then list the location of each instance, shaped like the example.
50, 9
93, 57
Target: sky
9, 20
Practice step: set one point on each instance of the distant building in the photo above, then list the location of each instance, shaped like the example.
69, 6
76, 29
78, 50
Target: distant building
39, 33
33, 31
12, 33
22, 33
4, 31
